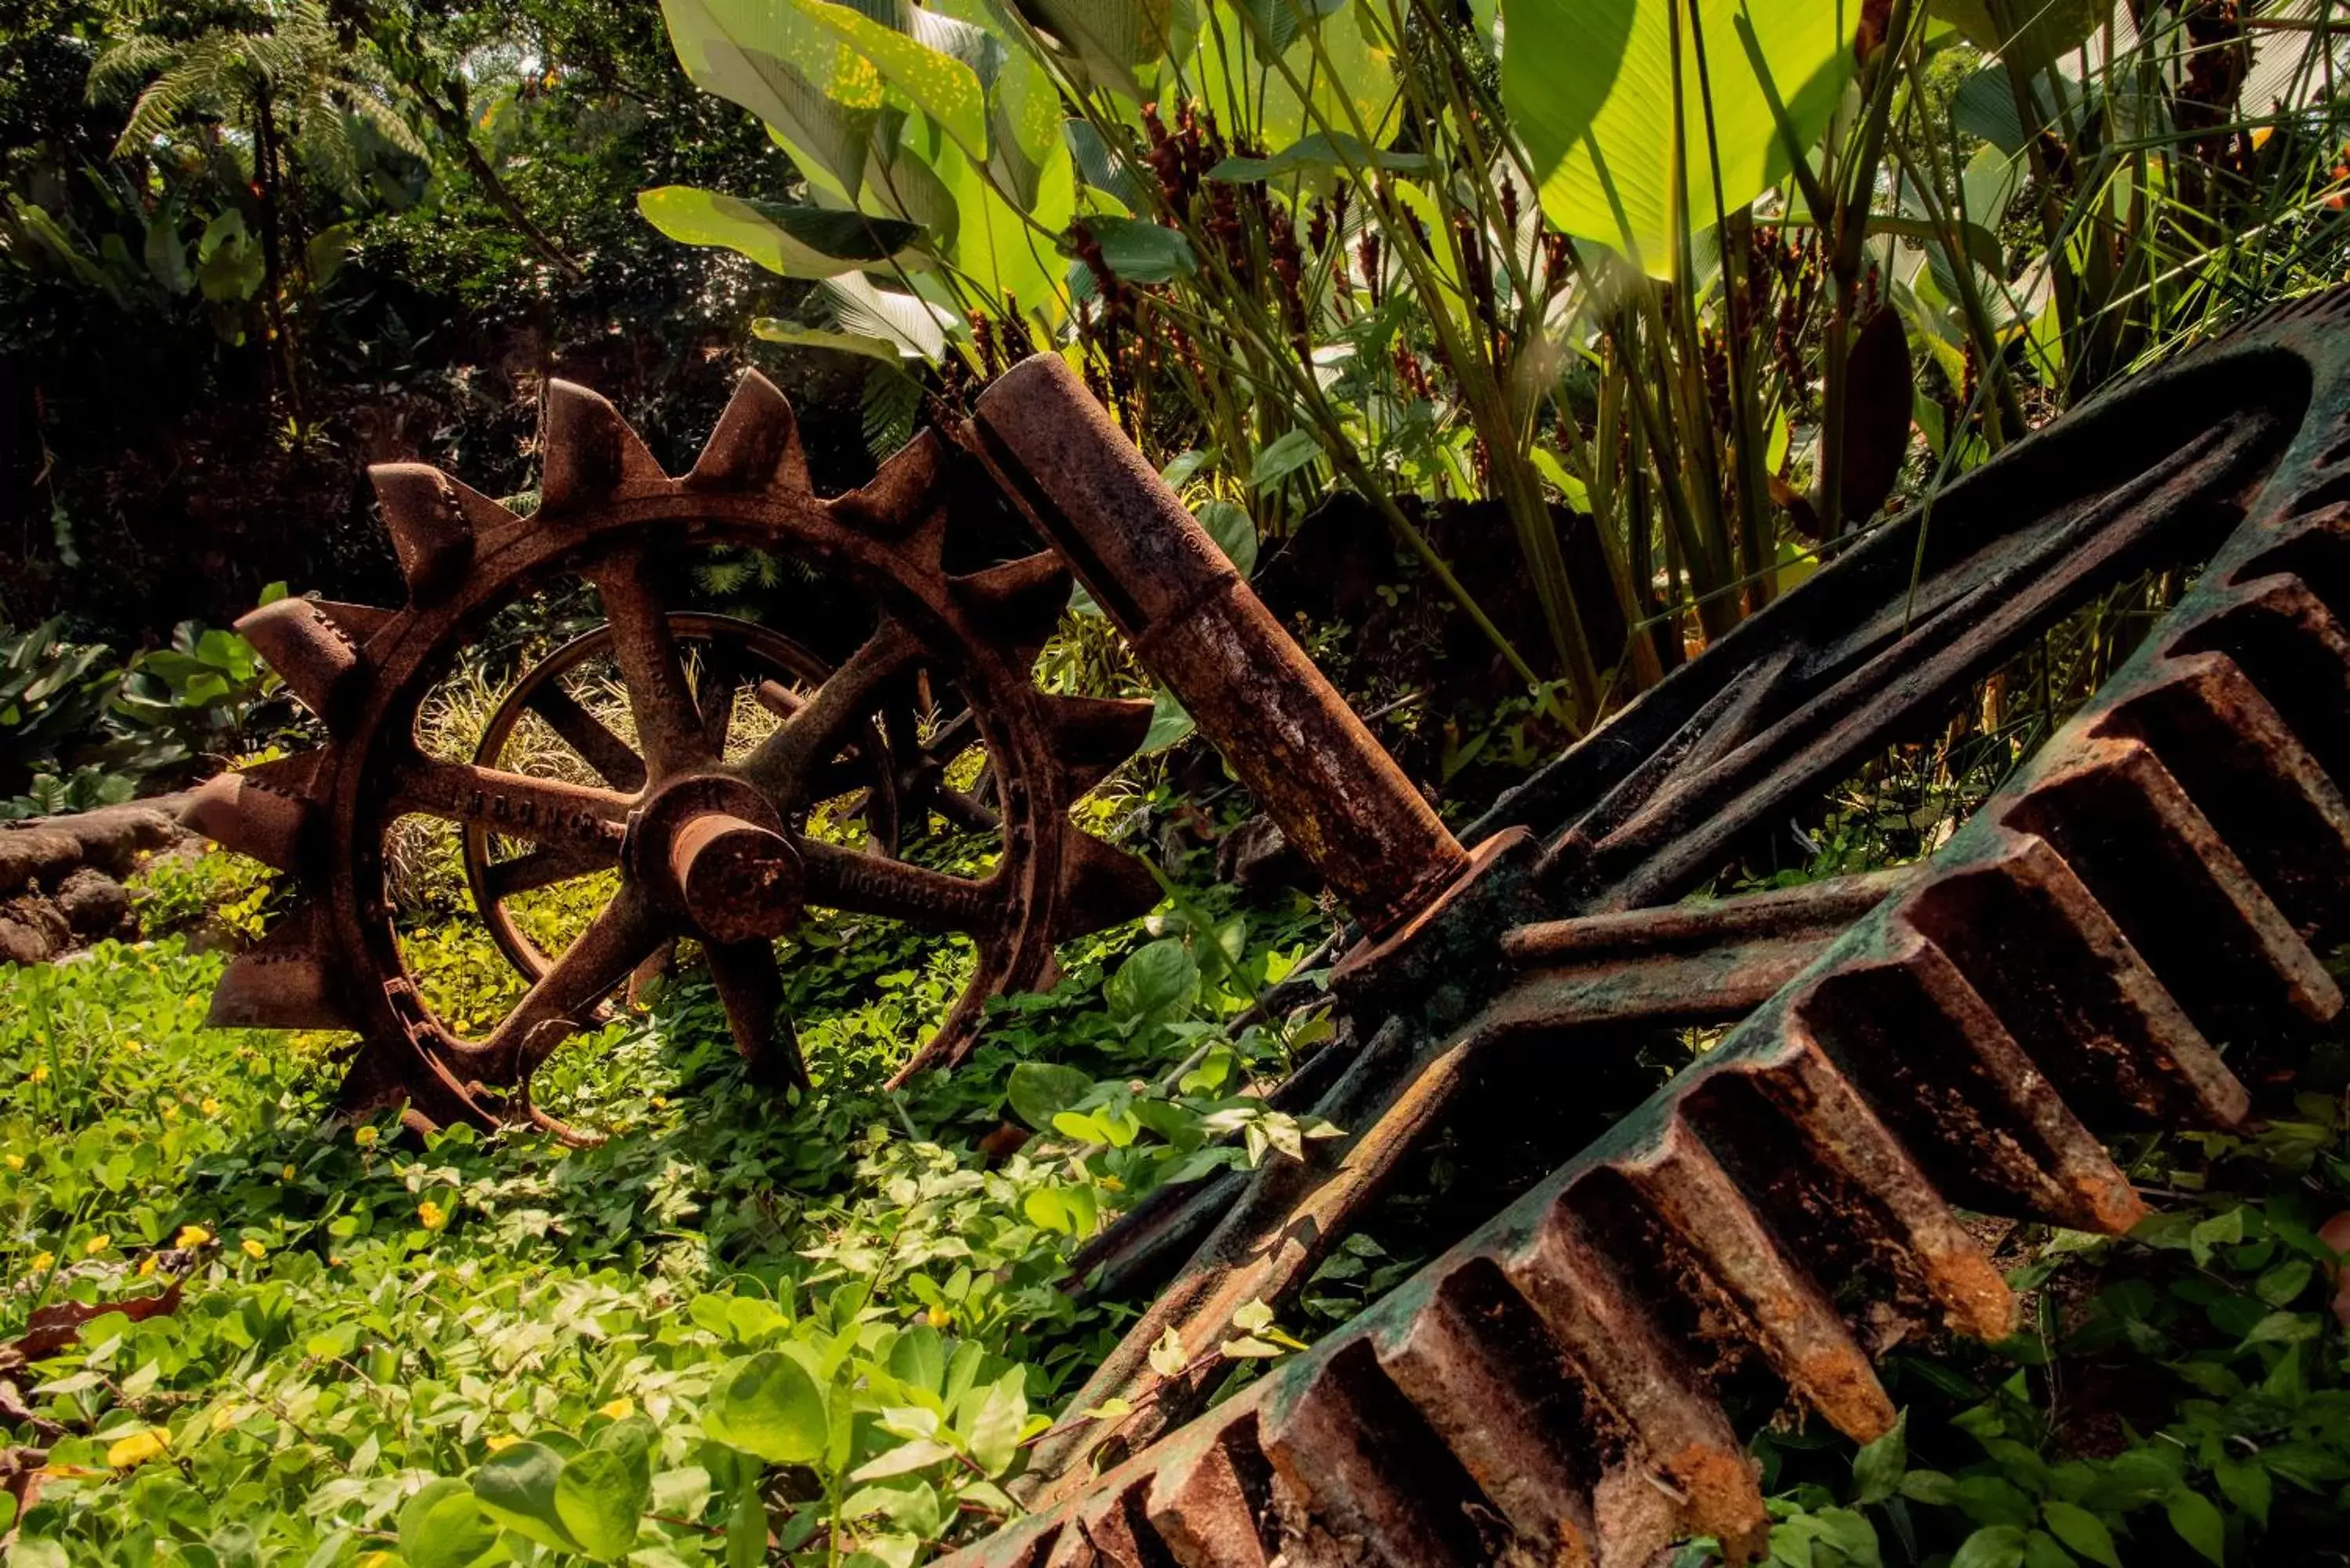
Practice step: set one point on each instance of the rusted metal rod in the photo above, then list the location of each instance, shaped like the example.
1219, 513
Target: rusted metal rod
1309, 760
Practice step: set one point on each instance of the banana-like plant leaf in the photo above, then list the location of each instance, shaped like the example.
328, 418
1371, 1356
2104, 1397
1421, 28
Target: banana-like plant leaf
2031, 35
1591, 87
820, 98
914, 327
943, 86
1114, 41
797, 241
768, 330
1322, 149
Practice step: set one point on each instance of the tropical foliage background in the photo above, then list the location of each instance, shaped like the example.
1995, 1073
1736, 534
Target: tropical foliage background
1518, 350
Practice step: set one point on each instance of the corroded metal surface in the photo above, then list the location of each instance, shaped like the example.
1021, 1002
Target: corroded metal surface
1306, 758
703, 845
2154, 884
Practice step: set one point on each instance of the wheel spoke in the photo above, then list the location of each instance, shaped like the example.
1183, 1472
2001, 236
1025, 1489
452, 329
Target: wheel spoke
597, 959
778, 699
669, 725
511, 805
587, 735
841, 878
718, 687
751, 989
785, 762
546, 866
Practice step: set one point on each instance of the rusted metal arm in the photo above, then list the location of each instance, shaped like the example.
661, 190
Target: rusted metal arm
1149, 563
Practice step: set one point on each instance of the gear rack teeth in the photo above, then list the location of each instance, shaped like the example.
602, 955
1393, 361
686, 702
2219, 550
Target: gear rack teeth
1773, 1305
433, 522
2032, 940
1092, 737
591, 453
283, 982
1940, 1069
757, 444
314, 650
1832, 1181
265, 812
2178, 890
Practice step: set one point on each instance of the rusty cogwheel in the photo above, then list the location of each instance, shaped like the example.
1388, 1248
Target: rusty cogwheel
706, 846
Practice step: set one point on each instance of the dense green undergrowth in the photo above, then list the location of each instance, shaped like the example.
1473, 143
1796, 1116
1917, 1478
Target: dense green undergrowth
822, 1333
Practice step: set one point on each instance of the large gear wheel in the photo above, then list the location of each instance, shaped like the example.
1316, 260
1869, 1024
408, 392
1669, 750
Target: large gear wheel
704, 846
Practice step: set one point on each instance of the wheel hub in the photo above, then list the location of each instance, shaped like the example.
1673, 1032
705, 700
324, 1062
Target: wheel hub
710, 851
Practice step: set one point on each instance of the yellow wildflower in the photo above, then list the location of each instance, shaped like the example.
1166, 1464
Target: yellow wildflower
620, 1409
132, 1046
41, 1262
940, 1317
255, 1249
13, 1161
95, 1245
171, 1112
210, 1107
286, 1174
193, 1236
377, 1560
431, 1215
138, 1447
365, 1138
40, 1074
502, 1442
659, 1102
147, 1266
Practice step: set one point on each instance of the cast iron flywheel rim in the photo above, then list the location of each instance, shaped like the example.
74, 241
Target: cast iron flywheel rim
706, 846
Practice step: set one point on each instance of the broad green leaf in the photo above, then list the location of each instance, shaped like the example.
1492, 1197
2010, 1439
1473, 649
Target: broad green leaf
793, 241
443, 1526
1877, 1468
2031, 35
2081, 1531
1169, 722
1157, 982
767, 329
1995, 1546
995, 1432
1282, 457
913, 1456
1317, 152
1023, 108
517, 1488
1233, 531
1141, 251
1591, 86
937, 83
1347, 70
599, 1497
1113, 41
1041, 1090
769, 1406
2198, 1524
1009, 256
820, 98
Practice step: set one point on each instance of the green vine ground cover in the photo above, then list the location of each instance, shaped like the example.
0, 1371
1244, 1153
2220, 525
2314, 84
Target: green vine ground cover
743, 1330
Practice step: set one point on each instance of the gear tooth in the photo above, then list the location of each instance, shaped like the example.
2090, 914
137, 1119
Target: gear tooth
757, 446
1101, 886
1017, 605
283, 982
265, 812
1092, 735
431, 519
904, 494
314, 651
590, 452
